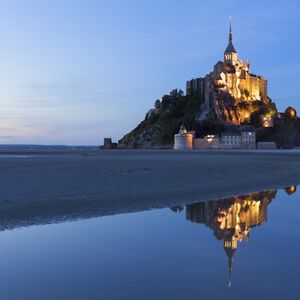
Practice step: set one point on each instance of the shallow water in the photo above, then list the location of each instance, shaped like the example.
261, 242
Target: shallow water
238, 248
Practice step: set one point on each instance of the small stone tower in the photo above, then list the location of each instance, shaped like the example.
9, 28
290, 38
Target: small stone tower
230, 54
183, 140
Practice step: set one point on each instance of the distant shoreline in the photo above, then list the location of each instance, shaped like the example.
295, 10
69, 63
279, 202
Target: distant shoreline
52, 188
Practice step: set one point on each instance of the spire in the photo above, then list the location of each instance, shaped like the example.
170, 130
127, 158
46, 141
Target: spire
230, 30
230, 47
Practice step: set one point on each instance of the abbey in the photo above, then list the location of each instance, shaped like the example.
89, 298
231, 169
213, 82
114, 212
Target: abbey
225, 91
228, 108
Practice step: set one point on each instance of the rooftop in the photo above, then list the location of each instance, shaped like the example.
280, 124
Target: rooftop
233, 133
230, 48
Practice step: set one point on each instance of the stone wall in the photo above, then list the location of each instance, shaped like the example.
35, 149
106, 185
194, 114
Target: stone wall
205, 144
255, 86
266, 145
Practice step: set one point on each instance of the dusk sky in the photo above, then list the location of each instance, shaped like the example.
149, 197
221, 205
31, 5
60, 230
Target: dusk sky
74, 72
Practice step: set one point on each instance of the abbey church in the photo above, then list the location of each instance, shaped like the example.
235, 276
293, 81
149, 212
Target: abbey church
227, 92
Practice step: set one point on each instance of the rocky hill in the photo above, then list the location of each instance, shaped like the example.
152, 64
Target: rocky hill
163, 121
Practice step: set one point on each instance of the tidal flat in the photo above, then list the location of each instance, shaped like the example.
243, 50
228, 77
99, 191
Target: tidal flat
46, 188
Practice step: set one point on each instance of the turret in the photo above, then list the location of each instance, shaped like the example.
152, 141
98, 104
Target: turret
230, 54
183, 140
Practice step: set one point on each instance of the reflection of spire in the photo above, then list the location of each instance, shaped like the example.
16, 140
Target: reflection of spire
229, 271
231, 219
229, 250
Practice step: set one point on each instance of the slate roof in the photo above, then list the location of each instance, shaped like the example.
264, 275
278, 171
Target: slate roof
230, 48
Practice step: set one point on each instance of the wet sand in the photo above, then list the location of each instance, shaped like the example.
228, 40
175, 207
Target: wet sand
41, 189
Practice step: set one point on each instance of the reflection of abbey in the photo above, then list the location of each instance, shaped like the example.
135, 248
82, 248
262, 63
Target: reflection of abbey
231, 219
227, 85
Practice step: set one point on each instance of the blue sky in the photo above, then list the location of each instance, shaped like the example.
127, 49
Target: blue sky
74, 71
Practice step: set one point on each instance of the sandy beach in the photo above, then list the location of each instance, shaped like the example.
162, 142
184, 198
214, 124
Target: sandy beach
41, 189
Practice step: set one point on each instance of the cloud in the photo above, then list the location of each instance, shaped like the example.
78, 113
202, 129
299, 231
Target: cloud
7, 137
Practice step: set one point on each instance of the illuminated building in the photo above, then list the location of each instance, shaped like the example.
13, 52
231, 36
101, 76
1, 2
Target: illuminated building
248, 137
243, 139
232, 140
230, 92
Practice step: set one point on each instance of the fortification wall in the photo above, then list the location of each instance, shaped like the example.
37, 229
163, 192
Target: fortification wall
255, 86
205, 144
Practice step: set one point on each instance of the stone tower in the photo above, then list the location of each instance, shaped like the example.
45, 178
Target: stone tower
230, 54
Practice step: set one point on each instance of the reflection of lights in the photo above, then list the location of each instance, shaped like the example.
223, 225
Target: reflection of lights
210, 138
291, 189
